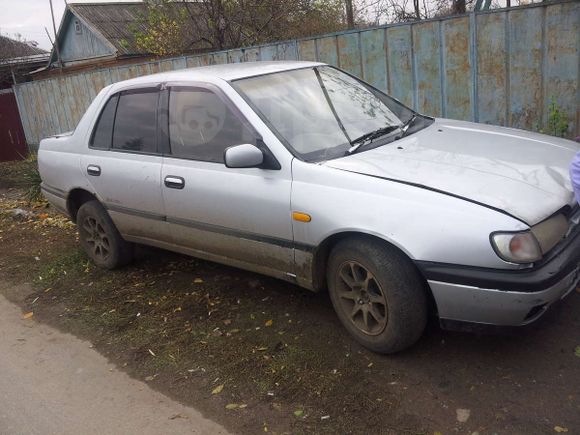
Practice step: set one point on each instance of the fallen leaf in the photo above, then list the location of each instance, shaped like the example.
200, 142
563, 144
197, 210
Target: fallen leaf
269, 323
27, 315
299, 413
218, 389
577, 351
242, 406
463, 415
149, 378
232, 406
152, 353
560, 429
198, 280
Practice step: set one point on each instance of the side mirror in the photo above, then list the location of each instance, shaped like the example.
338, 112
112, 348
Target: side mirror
243, 156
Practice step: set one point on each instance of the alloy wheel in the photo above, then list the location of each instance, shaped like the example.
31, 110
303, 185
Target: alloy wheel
362, 299
96, 238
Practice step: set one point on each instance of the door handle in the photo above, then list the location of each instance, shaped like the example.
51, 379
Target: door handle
94, 170
174, 182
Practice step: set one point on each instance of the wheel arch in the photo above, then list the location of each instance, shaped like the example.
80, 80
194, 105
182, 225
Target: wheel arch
75, 199
322, 253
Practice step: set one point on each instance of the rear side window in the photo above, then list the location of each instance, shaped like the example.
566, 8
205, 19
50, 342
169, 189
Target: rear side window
103, 133
136, 122
202, 126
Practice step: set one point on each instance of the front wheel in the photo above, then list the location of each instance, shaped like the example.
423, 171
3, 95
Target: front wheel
100, 238
377, 294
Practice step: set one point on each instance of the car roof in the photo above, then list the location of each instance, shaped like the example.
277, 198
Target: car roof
228, 72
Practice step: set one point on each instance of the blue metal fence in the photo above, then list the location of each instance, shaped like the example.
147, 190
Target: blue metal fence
500, 67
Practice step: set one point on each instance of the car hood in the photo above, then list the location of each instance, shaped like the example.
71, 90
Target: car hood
524, 174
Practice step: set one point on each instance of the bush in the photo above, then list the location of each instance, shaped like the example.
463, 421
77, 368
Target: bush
22, 174
557, 119
30, 179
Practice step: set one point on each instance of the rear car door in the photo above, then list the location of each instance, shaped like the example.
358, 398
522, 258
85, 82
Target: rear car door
237, 216
124, 166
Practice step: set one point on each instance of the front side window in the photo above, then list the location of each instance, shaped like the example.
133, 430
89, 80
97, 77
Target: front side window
136, 122
320, 112
202, 126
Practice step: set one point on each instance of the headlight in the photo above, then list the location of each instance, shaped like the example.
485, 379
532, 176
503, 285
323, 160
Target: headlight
521, 247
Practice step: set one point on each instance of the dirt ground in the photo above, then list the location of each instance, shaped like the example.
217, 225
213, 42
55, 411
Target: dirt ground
259, 355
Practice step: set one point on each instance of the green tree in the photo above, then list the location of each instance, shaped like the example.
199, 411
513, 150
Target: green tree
174, 27
163, 29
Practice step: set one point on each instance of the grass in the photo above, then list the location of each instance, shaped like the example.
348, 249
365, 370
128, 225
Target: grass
23, 174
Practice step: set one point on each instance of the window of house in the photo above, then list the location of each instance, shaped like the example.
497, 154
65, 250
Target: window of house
103, 132
202, 126
78, 27
136, 122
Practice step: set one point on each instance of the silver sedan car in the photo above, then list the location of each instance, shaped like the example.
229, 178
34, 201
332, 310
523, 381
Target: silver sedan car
306, 173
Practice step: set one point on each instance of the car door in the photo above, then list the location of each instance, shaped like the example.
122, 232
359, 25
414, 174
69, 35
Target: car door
236, 216
123, 164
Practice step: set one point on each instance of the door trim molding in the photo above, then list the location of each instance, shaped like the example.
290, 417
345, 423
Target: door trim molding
202, 226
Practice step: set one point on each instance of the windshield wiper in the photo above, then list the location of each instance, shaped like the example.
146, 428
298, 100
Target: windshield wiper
408, 124
369, 137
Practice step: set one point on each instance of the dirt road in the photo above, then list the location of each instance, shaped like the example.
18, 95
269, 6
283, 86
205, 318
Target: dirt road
55, 383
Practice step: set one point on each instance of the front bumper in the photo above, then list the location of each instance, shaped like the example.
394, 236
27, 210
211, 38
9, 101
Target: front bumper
502, 297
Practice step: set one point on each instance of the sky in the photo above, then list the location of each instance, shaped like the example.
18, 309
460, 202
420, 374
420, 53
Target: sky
30, 17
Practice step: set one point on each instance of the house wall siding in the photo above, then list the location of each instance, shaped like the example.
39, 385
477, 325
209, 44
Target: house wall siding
84, 45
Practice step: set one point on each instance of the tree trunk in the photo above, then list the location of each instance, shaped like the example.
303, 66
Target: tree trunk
459, 7
417, 9
349, 14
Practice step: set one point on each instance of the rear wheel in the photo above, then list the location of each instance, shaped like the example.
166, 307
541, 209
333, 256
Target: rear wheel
100, 238
378, 294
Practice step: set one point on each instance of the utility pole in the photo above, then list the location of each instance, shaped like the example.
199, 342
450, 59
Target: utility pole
59, 61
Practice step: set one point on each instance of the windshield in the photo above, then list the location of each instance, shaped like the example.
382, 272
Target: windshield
319, 112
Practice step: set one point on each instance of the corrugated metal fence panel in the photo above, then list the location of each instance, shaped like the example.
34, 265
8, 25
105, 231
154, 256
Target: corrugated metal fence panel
561, 54
349, 53
307, 50
492, 69
400, 63
457, 68
426, 56
525, 67
500, 67
374, 65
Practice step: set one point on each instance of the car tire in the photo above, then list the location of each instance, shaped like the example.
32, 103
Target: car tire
100, 238
378, 294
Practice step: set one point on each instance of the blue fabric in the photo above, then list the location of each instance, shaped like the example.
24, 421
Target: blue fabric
575, 175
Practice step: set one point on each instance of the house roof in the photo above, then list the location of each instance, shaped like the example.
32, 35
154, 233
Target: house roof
116, 23
11, 48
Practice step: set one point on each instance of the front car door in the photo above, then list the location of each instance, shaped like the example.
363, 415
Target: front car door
123, 164
235, 216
